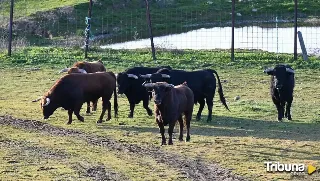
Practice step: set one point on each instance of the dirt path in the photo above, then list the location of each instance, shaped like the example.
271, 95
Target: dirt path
190, 168
23, 151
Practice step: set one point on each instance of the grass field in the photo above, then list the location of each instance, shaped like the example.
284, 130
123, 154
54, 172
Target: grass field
240, 140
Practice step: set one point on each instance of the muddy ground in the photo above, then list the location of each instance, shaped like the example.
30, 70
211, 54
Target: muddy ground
194, 169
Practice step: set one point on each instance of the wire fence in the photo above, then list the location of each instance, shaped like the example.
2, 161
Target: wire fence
190, 24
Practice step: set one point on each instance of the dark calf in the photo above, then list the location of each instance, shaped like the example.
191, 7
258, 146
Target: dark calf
281, 89
170, 103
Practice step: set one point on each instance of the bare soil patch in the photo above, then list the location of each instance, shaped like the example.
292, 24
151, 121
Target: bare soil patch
194, 169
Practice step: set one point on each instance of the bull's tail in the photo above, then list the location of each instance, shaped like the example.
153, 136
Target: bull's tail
220, 91
115, 98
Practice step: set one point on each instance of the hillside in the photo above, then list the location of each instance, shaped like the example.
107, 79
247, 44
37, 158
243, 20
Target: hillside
54, 21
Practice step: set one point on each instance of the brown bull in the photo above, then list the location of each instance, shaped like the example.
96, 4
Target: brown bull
170, 103
72, 90
86, 67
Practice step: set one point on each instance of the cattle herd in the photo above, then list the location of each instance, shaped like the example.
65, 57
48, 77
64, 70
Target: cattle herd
174, 92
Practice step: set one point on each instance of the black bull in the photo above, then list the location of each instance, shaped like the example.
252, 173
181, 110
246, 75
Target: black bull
201, 82
130, 83
281, 88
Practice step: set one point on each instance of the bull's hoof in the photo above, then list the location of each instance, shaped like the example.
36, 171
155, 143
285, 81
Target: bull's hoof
130, 116
163, 143
81, 118
188, 139
99, 121
209, 120
108, 119
69, 122
180, 138
279, 120
170, 143
149, 112
289, 118
198, 118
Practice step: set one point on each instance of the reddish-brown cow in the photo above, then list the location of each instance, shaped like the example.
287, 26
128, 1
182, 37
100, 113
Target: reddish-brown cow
86, 67
72, 90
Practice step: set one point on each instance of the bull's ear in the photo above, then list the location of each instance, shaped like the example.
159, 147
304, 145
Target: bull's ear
289, 70
269, 71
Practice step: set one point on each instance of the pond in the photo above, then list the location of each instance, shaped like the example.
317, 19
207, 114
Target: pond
279, 40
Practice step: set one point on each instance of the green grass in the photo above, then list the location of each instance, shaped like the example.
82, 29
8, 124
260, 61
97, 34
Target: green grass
241, 140
127, 21
183, 59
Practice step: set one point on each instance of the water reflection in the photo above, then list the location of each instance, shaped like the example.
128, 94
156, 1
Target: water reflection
252, 37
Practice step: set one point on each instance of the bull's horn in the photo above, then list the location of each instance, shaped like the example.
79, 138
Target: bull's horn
146, 76
148, 85
268, 70
83, 71
47, 102
132, 76
290, 70
64, 70
36, 100
165, 76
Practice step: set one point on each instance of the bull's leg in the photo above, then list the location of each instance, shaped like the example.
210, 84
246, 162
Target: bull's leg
277, 103
94, 105
288, 114
210, 105
77, 109
132, 105
181, 128
188, 116
282, 106
170, 131
109, 110
88, 107
145, 105
70, 111
104, 108
161, 127
201, 102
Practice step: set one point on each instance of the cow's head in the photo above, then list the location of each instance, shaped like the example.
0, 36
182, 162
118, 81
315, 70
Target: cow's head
281, 74
48, 106
76, 70
73, 70
125, 81
160, 90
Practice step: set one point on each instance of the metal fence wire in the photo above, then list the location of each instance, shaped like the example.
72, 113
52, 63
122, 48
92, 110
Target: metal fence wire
176, 24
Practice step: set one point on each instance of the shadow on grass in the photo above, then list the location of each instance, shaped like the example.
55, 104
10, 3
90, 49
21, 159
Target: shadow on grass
240, 127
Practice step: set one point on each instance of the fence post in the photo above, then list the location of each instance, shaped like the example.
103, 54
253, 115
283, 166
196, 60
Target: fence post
87, 31
10, 29
232, 31
303, 47
295, 29
150, 30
